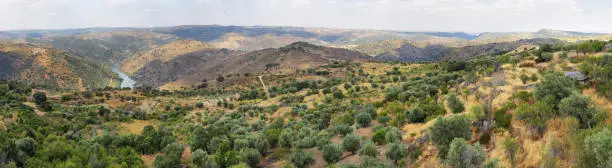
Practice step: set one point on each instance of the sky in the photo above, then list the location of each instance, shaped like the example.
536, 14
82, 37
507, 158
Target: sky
403, 15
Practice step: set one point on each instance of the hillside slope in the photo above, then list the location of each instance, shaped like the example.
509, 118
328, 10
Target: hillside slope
411, 53
164, 53
47, 66
208, 64
106, 47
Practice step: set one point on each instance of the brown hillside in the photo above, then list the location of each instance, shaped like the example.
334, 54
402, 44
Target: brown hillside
163, 53
194, 67
47, 66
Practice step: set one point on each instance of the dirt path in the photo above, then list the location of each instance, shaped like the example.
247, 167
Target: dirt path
38, 112
264, 86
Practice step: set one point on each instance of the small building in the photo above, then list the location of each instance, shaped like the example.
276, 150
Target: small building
576, 76
608, 47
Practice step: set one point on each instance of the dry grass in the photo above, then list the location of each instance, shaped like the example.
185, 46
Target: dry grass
148, 160
36, 110
602, 103
134, 127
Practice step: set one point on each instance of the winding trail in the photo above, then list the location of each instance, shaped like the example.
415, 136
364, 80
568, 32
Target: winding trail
264, 86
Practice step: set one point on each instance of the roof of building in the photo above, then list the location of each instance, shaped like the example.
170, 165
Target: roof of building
576, 75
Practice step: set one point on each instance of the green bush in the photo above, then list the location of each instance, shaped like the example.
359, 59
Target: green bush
250, 156
393, 135
363, 119
445, 130
302, 159
368, 149
343, 129
416, 115
583, 109
455, 104
462, 154
332, 153
40, 98
397, 151
350, 143
553, 88
379, 136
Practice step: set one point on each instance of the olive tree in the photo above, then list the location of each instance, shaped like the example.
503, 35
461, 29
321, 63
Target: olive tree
199, 158
332, 153
368, 149
286, 138
40, 98
598, 147
397, 151
363, 119
250, 156
455, 104
302, 159
416, 115
462, 154
393, 135
446, 129
582, 108
553, 88
350, 143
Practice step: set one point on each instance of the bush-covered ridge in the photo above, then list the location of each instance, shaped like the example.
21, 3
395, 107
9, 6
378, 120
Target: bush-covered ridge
517, 109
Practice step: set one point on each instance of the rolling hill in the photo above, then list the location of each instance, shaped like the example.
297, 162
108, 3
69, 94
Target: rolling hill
106, 47
411, 53
51, 67
202, 65
164, 53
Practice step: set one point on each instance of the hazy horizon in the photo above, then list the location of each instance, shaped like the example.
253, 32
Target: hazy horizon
471, 16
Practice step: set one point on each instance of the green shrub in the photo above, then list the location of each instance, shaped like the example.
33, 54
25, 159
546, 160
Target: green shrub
350, 143
393, 135
416, 115
302, 159
447, 129
368, 149
343, 129
462, 154
363, 119
511, 147
332, 153
455, 104
250, 156
379, 136
397, 151
582, 108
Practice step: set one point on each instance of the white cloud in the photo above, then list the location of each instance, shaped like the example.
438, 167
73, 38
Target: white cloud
300, 3
412, 15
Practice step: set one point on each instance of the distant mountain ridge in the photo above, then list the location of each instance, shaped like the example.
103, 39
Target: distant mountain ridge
250, 38
161, 55
411, 53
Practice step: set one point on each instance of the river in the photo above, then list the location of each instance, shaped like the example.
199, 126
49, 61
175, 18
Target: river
126, 81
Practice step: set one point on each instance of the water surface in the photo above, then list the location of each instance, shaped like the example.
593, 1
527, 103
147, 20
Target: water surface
126, 81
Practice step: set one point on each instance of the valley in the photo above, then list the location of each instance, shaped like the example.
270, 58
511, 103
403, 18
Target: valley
239, 96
